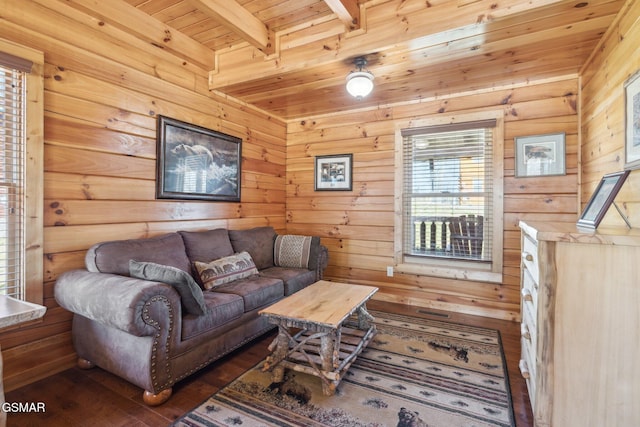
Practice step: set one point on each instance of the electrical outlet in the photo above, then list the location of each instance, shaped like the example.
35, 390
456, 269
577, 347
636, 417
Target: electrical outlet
389, 271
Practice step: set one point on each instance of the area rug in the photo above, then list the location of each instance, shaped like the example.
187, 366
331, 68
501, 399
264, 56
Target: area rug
415, 372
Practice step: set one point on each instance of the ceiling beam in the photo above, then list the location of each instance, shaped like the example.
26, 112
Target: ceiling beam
239, 20
347, 11
125, 17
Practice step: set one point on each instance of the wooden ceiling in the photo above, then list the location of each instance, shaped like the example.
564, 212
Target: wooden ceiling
291, 57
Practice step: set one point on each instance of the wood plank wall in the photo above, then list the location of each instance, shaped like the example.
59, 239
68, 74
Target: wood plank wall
358, 226
103, 91
603, 110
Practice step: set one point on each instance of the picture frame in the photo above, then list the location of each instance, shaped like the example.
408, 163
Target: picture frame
540, 155
334, 172
196, 163
632, 122
601, 199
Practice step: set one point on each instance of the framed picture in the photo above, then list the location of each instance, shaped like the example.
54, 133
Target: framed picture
334, 172
196, 163
632, 122
602, 199
540, 155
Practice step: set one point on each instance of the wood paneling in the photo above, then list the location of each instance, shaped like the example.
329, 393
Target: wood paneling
603, 110
415, 50
358, 226
106, 80
103, 91
268, 52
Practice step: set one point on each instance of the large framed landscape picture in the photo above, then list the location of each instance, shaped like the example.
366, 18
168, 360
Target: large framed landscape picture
197, 163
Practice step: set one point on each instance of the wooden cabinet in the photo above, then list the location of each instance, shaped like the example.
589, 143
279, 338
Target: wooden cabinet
580, 312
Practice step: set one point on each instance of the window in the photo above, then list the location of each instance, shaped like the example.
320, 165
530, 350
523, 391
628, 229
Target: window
21, 171
12, 136
451, 213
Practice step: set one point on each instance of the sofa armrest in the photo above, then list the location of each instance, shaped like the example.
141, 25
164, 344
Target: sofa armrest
133, 305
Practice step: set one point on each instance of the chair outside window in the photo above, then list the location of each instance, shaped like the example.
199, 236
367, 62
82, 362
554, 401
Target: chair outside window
456, 237
467, 235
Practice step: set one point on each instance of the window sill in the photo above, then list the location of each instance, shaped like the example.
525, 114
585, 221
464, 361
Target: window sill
14, 312
450, 272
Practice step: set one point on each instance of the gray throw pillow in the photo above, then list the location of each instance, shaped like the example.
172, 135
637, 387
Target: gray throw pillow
190, 293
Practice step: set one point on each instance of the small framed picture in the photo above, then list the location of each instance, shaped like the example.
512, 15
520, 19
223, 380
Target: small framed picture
334, 173
632, 122
540, 155
602, 199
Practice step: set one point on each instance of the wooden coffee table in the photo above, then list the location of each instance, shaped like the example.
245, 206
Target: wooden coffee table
321, 331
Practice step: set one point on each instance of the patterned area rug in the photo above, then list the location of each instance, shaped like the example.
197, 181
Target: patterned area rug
414, 373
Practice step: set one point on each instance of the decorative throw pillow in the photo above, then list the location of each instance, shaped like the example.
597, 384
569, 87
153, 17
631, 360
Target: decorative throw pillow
190, 293
293, 251
225, 270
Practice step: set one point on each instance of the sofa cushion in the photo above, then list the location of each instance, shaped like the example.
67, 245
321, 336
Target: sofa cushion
204, 246
295, 251
258, 242
190, 293
113, 257
256, 291
225, 270
294, 278
222, 308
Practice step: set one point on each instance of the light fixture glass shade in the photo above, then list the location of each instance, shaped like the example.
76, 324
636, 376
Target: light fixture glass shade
359, 83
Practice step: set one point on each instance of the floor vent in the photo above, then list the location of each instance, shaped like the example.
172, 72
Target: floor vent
433, 313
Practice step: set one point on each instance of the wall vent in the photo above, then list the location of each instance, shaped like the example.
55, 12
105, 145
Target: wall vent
433, 313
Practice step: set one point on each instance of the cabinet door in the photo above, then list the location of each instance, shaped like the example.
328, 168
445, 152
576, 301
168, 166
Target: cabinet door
597, 336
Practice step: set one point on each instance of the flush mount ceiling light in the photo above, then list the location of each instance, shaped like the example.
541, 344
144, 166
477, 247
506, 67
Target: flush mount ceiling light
360, 83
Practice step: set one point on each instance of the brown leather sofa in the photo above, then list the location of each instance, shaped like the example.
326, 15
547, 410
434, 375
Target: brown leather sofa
154, 333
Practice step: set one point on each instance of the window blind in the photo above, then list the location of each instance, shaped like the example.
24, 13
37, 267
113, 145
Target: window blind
448, 173
12, 177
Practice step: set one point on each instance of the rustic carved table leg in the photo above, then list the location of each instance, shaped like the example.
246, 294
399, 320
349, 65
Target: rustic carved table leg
329, 364
364, 318
280, 353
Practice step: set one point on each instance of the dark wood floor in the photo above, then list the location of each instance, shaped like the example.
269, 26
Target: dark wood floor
97, 398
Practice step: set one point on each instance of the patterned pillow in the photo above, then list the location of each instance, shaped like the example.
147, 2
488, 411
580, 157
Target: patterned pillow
225, 270
293, 251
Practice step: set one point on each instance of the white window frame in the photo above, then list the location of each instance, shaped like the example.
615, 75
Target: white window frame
443, 267
33, 250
